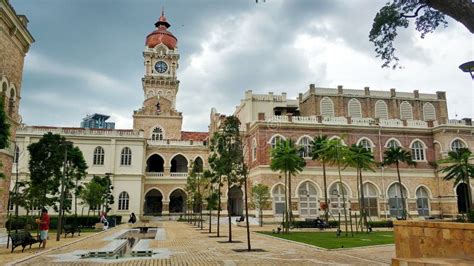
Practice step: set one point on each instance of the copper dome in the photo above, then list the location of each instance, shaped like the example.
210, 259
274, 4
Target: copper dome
161, 34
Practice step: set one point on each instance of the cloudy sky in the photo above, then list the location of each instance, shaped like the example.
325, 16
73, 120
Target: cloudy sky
87, 56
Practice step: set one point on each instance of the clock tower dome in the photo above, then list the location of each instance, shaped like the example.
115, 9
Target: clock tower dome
160, 84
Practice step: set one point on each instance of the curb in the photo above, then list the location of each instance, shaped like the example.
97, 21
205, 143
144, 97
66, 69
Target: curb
52, 249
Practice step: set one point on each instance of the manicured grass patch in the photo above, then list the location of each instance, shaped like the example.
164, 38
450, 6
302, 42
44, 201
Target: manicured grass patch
329, 240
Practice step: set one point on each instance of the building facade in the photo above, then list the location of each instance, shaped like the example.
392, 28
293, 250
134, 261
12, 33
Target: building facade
15, 41
149, 164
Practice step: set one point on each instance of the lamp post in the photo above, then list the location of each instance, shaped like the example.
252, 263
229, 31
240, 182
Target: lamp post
65, 144
468, 67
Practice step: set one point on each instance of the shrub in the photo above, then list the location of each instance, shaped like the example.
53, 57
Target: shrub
83, 221
311, 224
381, 224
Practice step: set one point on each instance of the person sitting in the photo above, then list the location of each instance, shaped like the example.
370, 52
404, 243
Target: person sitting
133, 218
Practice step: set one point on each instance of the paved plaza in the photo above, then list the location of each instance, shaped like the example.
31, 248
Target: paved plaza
188, 245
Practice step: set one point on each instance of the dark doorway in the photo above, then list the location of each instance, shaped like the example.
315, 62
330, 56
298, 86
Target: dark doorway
155, 164
179, 164
177, 201
235, 201
153, 202
463, 198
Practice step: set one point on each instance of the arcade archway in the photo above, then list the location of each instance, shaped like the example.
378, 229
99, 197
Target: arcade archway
177, 201
235, 201
153, 202
463, 198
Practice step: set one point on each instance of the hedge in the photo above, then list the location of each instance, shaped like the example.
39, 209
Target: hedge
82, 221
380, 224
312, 224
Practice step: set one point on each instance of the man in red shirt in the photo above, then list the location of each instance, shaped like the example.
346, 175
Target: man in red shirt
43, 226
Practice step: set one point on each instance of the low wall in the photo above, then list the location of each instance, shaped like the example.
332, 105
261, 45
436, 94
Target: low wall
424, 239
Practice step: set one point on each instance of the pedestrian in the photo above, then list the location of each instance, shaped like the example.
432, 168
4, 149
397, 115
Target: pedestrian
103, 220
133, 218
44, 227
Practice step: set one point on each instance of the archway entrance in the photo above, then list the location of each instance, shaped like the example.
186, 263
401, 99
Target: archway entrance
153, 202
463, 198
235, 201
177, 201
155, 164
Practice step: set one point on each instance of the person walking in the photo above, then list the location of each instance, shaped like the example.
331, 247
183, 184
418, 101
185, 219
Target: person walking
44, 227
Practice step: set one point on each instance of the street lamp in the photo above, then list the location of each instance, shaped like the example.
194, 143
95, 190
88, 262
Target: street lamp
468, 67
65, 144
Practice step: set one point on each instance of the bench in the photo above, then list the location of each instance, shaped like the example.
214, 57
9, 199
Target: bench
71, 229
142, 248
114, 247
22, 239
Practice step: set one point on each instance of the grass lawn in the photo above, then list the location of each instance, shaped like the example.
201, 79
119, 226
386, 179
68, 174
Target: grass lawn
329, 240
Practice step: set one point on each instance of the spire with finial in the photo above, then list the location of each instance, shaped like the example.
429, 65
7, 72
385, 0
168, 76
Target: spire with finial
162, 20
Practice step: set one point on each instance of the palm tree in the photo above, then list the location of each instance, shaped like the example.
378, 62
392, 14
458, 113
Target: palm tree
460, 170
286, 158
319, 152
397, 155
336, 153
362, 159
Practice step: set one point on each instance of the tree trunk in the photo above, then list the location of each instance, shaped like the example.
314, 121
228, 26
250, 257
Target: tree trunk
228, 212
210, 218
247, 214
358, 198
261, 216
285, 215
460, 10
401, 192
290, 208
343, 196
469, 196
326, 211
219, 208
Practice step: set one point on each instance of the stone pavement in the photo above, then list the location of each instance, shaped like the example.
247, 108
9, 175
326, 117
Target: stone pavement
190, 246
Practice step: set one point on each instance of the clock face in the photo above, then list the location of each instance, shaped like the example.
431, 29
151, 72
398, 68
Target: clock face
161, 67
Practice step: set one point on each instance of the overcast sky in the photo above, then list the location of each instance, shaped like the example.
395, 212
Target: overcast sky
87, 56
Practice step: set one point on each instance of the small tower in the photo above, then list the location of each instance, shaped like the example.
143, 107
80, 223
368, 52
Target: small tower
160, 84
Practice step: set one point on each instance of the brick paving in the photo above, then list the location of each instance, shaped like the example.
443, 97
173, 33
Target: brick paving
190, 246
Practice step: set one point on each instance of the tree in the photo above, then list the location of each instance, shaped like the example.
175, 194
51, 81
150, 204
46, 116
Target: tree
260, 197
319, 151
336, 153
217, 165
195, 187
397, 155
92, 195
76, 171
211, 199
460, 170
285, 157
428, 15
362, 159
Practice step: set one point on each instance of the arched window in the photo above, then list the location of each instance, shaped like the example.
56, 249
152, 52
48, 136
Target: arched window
327, 107
429, 112
381, 110
457, 144
179, 164
99, 155
199, 165
395, 201
305, 144
366, 144
279, 199
393, 144
276, 139
422, 202
126, 156
16, 155
418, 151
157, 134
406, 112
354, 108
123, 201
254, 149
370, 199
308, 197
336, 194
11, 102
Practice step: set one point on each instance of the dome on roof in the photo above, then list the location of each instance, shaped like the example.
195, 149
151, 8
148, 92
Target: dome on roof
161, 34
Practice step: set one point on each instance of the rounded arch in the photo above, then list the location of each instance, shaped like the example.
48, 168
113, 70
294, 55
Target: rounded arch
278, 198
381, 109
157, 133
461, 191
155, 163
179, 163
235, 199
418, 150
305, 143
153, 188
126, 156
12, 92
175, 189
4, 83
123, 201
429, 112
426, 188
345, 185
302, 137
422, 143
276, 136
326, 107
388, 142
406, 111
308, 199
457, 143
177, 200
366, 143
98, 156
403, 185
377, 188
354, 108
318, 188
422, 195
272, 189
337, 137
153, 201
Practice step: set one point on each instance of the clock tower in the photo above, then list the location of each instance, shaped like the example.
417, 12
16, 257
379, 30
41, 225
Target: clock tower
160, 84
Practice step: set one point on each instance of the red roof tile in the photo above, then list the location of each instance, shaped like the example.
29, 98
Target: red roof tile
194, 136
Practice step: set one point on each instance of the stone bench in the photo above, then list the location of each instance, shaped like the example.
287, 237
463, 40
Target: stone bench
142, 248
110, 250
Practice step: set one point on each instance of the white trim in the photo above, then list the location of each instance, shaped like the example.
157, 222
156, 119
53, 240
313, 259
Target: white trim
395, 139
372, 145
430, 194
379, 191
318, 189
396, 182
304, 136
440, 146
349, 190
275, 135
417, 139
411, 110
337, 137
457, 138
274, 186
